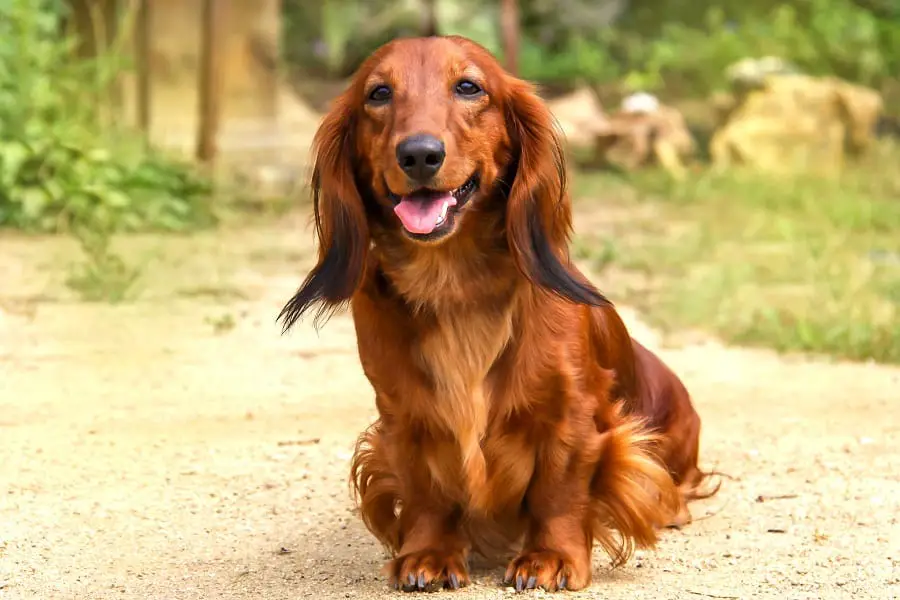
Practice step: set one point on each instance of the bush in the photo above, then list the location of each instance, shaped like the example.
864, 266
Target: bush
57, 170
821, 37
60, 171
655, 44
685, 46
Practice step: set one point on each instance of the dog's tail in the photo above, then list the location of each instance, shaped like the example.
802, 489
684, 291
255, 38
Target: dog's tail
633, 494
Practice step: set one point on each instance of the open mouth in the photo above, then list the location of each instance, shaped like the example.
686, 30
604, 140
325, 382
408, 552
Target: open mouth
428, 214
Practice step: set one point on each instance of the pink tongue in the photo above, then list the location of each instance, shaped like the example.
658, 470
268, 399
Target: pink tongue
420, 213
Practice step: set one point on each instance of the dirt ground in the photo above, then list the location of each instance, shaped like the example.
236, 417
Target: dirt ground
178, 447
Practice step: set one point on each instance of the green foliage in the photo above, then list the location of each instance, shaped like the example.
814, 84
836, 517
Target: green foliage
579, 60
685, 46
60, 170
682, 46
332, 37
57, 169
819, 36
52, 180
799, 264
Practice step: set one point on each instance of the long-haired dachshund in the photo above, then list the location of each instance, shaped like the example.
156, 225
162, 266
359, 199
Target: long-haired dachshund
515, 411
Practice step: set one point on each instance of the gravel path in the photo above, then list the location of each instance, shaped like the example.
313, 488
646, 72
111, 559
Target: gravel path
179, 448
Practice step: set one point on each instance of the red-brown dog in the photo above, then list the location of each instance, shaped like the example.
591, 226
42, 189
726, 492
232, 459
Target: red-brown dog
514, 407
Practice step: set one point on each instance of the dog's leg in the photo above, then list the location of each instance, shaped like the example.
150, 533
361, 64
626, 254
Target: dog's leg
434, 552
556, 554
404, 509
609, 488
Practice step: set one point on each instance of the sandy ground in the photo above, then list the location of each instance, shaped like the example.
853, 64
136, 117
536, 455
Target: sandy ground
179, 447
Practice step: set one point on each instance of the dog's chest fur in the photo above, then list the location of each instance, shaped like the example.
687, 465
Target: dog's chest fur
457, 343
458, 353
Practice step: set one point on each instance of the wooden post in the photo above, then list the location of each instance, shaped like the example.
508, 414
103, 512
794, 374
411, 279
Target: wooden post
210, 80
509, 25
429, 18
142, 51
111, 18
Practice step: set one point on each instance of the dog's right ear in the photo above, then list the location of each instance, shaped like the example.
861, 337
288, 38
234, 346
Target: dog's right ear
340, 218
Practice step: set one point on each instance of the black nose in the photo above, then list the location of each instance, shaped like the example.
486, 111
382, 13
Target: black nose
421, 156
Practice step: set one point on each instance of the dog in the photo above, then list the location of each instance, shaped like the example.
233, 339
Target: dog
516, 413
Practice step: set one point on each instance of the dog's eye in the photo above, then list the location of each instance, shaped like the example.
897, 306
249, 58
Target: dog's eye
380, 94
468, 88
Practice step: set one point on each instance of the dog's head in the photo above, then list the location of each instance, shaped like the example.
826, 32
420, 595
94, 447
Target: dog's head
430, 131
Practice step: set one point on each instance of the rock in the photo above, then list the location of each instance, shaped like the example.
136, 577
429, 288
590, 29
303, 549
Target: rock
752, 72
794, 123
645, 132
580, 116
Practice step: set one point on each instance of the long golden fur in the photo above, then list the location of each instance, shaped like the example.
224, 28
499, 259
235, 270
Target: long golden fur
515, 411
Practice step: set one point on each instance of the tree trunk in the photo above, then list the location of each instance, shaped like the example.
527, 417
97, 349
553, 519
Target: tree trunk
210, 80
509, 24
142, 42
429, 18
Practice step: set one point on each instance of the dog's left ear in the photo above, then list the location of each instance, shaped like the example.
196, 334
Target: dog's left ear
539, 212
342, 229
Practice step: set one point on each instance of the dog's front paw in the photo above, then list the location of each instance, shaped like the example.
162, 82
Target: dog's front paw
429, 571
548, 570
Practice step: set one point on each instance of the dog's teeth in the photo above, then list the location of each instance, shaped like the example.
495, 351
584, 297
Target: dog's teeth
444, 211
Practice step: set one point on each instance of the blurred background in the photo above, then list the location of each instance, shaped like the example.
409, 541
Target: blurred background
736, 184
763, 131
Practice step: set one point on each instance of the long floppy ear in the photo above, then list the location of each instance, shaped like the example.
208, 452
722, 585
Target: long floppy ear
340, 218
539, 212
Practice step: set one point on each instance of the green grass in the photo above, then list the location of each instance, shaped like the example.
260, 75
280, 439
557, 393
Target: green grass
800, 264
